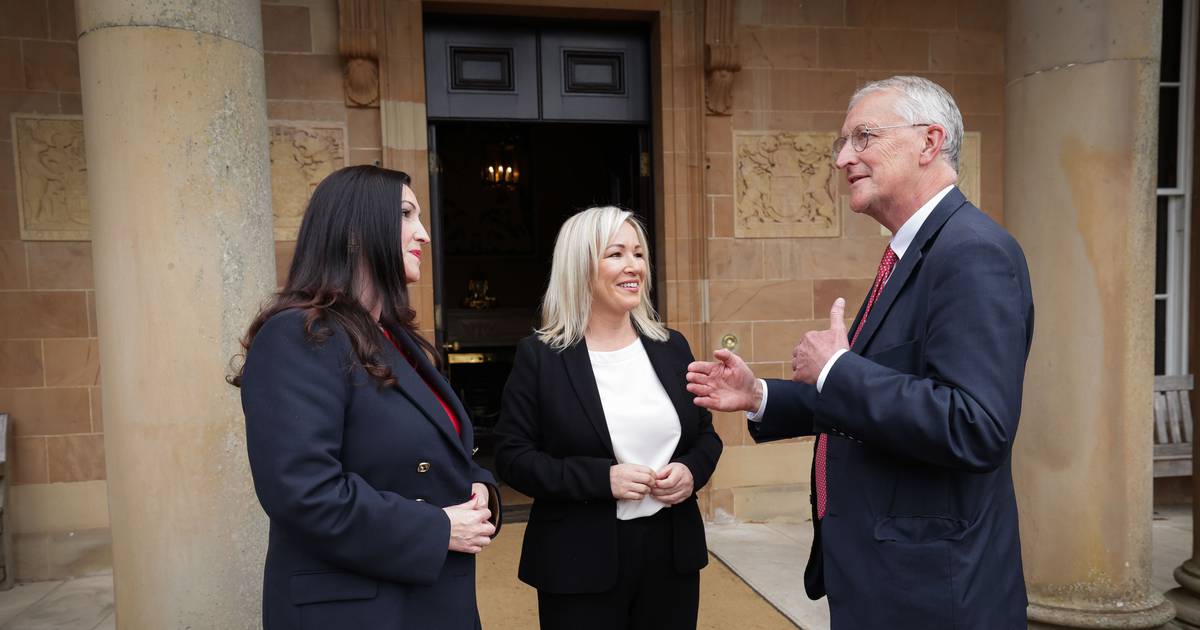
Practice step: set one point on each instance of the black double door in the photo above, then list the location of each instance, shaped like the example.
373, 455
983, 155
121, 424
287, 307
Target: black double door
528, 124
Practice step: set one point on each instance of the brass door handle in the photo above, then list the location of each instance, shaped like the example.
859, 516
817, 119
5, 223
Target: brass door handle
452, 346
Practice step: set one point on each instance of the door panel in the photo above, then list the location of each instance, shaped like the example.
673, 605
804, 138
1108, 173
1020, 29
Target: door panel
594, 76
481, 73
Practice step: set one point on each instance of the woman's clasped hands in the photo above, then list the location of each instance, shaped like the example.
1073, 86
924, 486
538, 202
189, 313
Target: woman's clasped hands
672, 484
470, 526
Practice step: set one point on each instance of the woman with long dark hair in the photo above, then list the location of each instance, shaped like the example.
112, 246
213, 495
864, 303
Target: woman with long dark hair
359, 449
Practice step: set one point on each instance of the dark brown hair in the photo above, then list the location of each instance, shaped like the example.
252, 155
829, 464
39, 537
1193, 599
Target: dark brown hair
351, 228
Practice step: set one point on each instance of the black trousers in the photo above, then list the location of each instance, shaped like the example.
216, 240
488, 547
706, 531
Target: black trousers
649, 593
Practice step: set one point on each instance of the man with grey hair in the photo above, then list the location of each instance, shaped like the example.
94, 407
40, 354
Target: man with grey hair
915, 405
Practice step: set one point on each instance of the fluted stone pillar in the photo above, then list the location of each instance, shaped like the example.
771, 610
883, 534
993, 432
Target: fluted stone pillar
179, 188
1081, 108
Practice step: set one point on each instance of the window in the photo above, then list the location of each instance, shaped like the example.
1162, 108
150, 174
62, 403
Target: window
1177, 89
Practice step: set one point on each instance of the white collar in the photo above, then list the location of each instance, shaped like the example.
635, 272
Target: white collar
907, 232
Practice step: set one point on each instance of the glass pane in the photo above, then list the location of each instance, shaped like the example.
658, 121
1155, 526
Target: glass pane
482, 70
594, 73
1160, 336
1160, 246
1172, 32
1168, 136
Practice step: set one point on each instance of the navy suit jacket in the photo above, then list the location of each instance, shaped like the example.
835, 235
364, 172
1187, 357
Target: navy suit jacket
555, 447
354, 477
921, 523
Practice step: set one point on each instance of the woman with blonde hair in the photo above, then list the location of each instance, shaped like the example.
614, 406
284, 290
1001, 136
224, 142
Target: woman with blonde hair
598, 427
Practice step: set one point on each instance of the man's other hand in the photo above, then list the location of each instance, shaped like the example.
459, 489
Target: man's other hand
818, 346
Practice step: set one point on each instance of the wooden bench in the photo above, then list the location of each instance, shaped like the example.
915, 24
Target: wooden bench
1172, 426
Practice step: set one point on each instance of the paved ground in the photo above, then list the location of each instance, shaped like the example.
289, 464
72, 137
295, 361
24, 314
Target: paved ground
768, 559
79, 604
506, 604
771, 557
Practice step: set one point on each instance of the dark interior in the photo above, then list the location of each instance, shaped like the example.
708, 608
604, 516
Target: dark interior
497, 238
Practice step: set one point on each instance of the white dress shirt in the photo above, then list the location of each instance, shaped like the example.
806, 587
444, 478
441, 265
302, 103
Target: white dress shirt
899, 244
642, 422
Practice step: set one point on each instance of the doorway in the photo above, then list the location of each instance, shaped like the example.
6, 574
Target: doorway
517, 148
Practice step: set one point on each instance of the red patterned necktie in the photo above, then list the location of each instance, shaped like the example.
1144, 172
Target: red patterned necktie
886, 264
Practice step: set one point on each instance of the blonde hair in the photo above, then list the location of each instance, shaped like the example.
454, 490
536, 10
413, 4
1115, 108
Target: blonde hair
567, 304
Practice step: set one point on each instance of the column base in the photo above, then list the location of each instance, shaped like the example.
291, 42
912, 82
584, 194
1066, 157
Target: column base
1187, 609
1186, 598
1054, 618
1188, 575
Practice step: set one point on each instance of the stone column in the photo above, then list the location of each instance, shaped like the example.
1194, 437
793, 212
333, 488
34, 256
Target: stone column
1081, 108
1187, 597
174, 106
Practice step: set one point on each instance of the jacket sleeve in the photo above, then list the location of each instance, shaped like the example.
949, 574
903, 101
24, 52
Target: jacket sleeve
495, 505
701, 458
479, 474
788, 414
520, 460
294, 394
963, 412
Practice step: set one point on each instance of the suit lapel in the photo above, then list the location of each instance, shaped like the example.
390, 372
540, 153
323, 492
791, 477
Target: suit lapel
673, 381
579, 371
904, 269
416, 383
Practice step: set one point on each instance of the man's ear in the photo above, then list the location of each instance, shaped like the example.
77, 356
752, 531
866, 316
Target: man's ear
935, 136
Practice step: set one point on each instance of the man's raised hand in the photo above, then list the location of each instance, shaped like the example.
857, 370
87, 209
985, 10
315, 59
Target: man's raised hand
817, 346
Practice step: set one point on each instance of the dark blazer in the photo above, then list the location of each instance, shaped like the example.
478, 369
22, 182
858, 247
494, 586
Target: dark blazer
354, 478
921, 522
554, 446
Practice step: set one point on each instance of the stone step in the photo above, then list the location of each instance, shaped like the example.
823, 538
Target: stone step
783, 503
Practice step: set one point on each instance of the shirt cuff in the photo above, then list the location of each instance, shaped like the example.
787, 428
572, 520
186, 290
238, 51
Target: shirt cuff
825, 370
756, 415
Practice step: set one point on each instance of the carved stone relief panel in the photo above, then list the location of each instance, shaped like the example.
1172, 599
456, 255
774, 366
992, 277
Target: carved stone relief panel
52, 173
785, 185
51, 177
302, 154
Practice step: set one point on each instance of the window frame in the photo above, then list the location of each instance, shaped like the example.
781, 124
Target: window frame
1179, 204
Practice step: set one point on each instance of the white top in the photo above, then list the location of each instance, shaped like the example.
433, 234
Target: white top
642, 422
899, 244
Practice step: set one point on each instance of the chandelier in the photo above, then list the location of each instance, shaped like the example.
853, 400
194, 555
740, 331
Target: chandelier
500, 166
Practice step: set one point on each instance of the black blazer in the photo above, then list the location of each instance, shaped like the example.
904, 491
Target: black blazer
921, 521
353, 478
554, 445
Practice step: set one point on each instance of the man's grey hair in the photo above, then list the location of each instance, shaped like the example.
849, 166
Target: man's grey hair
922, 101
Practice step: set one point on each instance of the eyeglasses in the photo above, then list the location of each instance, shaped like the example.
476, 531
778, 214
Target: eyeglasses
860, 136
